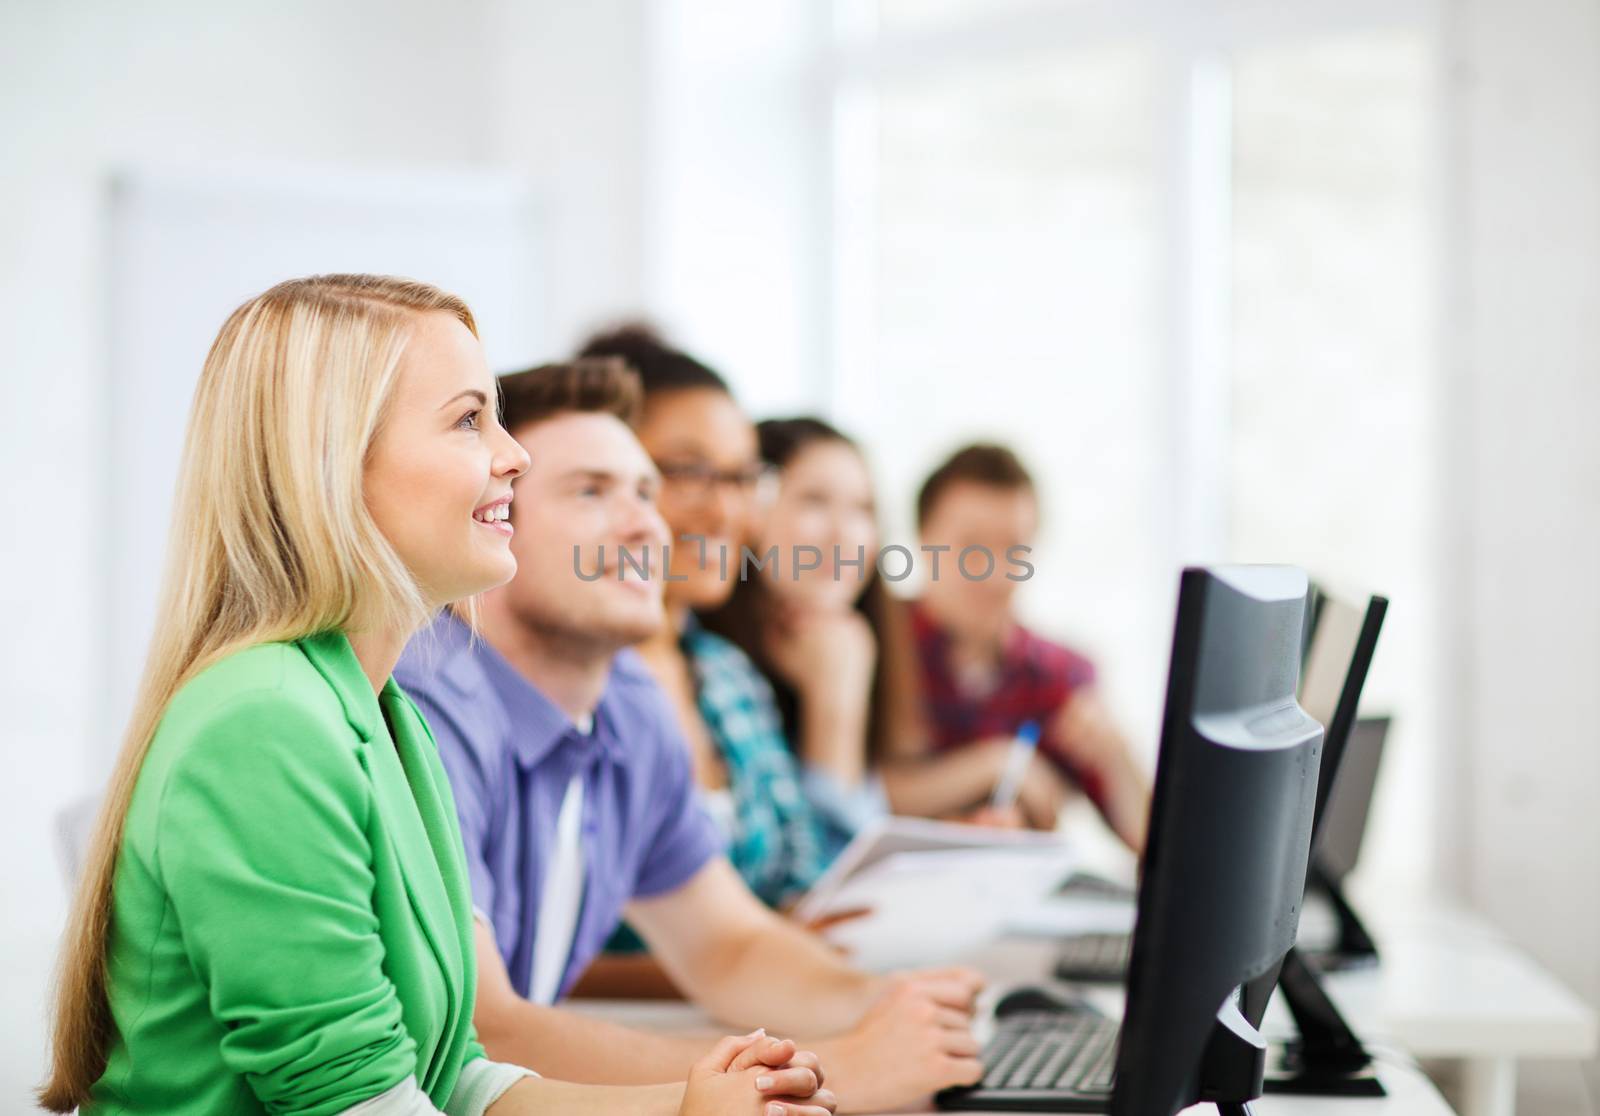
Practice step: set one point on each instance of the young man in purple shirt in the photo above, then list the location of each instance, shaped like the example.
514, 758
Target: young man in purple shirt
577, 803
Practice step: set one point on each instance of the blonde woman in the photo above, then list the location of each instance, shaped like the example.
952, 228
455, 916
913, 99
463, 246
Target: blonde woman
275, 914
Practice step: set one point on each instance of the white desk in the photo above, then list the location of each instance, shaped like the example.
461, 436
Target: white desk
1453, 987
1450, 987
1410, 1094
1022, 960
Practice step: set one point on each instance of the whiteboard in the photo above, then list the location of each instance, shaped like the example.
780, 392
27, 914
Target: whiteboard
189, 245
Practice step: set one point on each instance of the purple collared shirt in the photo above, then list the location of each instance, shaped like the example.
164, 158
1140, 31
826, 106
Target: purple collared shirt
510, 754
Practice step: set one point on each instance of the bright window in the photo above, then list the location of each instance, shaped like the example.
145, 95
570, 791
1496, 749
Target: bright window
1012, 251
1332, 370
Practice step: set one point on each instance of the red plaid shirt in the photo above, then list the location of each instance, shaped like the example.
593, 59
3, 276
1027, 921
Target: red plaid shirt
1033, 680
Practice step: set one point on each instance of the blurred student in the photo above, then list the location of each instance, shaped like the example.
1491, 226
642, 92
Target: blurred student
983, 675
813, 617
705, 449
577, 801
817, 618
275, 914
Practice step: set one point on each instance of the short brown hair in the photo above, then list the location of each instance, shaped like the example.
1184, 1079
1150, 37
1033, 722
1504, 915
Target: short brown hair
588, 385
980, 463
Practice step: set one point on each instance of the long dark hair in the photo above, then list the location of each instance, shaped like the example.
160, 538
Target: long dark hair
660, 367
744, 616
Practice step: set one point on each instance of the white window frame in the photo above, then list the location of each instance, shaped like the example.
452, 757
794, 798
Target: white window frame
1195, 40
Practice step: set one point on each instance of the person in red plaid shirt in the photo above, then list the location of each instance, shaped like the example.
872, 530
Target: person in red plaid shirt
981, 675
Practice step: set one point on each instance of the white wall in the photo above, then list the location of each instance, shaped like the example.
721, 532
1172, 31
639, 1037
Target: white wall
89, 85
568, 111
737, 230
1521, 233
189, 244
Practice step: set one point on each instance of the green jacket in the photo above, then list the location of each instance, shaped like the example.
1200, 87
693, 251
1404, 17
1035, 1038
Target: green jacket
291, 926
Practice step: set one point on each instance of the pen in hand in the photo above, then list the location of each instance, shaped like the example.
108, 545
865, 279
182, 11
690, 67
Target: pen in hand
1016, 768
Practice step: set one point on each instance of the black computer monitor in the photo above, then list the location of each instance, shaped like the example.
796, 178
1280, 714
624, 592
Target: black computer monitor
1328, 1058
1225, 867
1336, 650
1336, 847
1343, 647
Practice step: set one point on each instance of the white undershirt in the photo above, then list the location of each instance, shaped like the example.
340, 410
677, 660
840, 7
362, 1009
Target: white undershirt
481, 1083
724, 814
562, 895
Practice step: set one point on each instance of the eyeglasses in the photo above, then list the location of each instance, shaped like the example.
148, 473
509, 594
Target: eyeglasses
698, 481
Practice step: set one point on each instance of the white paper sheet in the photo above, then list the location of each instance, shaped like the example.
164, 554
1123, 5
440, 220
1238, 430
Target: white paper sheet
1057, 917
894, 835
930, 907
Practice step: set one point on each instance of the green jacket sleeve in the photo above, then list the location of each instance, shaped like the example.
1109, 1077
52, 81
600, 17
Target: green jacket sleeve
264, 851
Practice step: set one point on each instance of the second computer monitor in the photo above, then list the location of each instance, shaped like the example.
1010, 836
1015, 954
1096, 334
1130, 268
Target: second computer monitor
1335, 673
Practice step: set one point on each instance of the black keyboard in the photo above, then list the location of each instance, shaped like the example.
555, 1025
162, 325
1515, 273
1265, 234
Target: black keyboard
1083, 885
1046, 1061
1095, 958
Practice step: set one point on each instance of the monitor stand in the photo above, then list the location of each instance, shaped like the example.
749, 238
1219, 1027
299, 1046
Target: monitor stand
1354, 948
1233, 1063
1327, 1059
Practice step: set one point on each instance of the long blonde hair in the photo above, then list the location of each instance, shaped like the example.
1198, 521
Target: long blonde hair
270, 540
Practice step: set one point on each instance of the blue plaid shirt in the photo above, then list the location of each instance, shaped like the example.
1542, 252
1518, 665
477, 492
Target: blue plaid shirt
778, 842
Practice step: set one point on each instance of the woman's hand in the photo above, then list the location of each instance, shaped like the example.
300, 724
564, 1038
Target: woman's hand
826, 655
755, 1075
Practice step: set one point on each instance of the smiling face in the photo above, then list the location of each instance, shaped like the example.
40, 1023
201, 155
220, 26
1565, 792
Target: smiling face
438, 475
589, 489
996, 518
824, 501
706, 448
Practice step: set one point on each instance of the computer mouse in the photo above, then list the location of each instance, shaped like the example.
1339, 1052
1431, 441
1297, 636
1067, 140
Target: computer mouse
1031, 998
